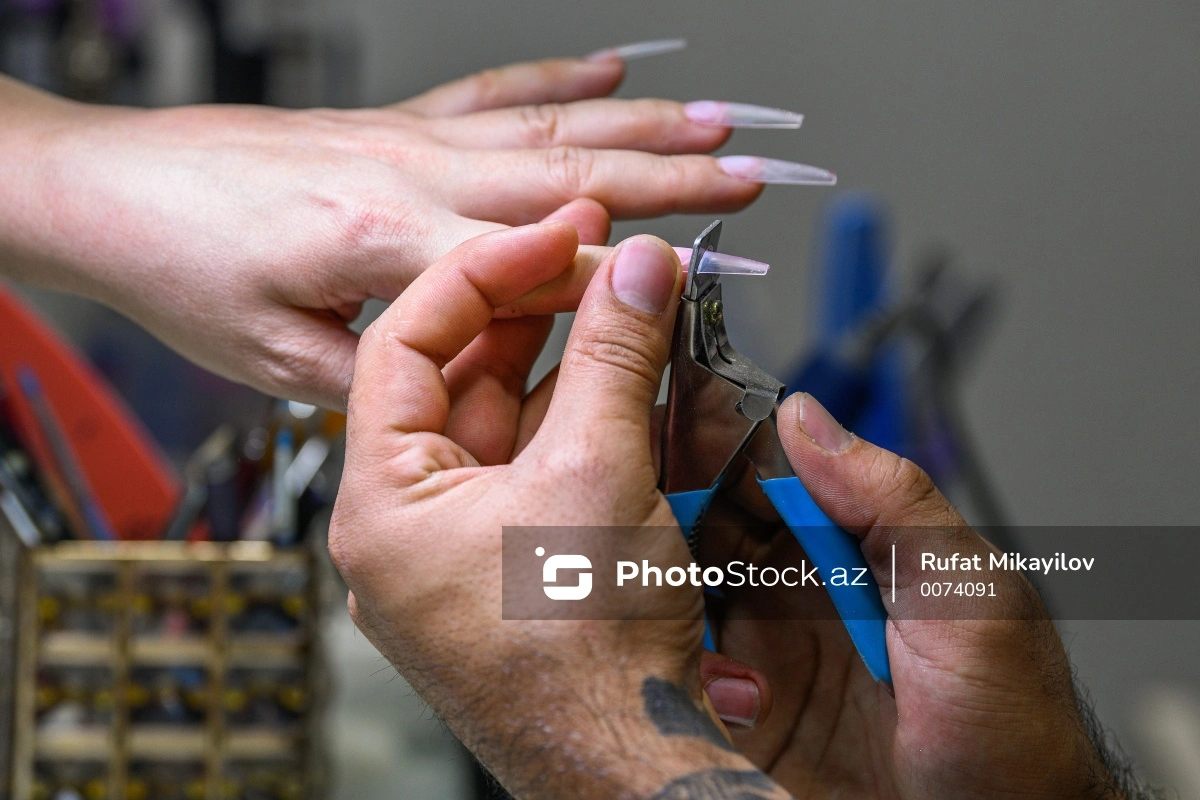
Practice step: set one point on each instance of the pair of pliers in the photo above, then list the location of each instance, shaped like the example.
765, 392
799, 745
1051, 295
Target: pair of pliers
721, 406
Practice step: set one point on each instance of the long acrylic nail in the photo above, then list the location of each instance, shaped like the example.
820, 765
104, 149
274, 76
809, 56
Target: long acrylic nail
631, 52
772, 170
819, 425
736, 700
740, 115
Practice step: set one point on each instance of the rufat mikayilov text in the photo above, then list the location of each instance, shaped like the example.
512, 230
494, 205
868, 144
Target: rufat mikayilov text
1059, 562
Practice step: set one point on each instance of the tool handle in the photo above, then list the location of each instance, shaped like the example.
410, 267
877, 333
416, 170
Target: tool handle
855, 594
688, 508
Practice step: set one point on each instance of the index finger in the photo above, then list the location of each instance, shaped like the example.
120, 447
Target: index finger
555, 80
398, 386
563, 292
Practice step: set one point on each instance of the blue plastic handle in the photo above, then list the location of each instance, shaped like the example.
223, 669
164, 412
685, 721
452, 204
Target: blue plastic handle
688, 508
829, 548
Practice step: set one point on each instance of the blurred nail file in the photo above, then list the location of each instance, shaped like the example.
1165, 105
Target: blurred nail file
283, 503
93, 515
636, 50
18, 518
307, 463
215, 450
221, 479
714, 263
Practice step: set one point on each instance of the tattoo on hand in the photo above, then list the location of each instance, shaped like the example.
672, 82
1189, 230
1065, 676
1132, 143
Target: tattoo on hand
722, 784
671, 710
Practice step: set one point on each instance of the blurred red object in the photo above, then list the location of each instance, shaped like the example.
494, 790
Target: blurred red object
131, 482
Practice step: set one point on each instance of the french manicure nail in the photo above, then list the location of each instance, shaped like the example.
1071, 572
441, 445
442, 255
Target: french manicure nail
772, 170
819, 425
735, 700
631, 52
740, 115
643, 276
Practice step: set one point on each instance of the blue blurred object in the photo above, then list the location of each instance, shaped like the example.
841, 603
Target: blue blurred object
887, 367
853, 288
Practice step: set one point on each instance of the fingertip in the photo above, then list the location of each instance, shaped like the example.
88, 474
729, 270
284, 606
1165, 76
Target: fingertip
705, 138
743, 194
788, 417
537, 253
563, 230
590, 218
565, 80
646, 273
740, 694
658, 244
608, 65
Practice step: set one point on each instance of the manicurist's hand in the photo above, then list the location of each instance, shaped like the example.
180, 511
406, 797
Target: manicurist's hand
443, 449
984, 707
246, 237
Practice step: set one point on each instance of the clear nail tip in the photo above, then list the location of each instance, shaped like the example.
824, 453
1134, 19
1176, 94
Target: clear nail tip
772, 170
741, 115
629, 52
713, 263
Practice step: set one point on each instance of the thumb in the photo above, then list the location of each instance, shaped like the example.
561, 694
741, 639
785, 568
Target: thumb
860, 486
887, 500
870, 492
618, 347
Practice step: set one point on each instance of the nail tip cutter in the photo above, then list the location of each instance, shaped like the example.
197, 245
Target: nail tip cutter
721, 405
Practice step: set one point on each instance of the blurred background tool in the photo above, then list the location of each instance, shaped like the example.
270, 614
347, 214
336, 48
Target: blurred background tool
134, 490
152, 669
888, 366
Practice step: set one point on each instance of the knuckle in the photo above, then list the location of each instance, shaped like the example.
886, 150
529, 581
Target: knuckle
570, 168
543, 124
620, 356
287, 364
675, 171
904, 483
420, 457
296, 366
366, 226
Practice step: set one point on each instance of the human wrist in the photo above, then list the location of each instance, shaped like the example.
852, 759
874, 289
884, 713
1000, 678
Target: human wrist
591, 754
43, 166
601, 733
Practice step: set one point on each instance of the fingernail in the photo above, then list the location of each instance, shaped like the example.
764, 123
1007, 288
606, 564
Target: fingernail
740, 115
644, 276
772, 170
735, 700
631, 52
820, 426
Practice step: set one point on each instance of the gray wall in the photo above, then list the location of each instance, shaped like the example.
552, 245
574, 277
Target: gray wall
1050, 145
